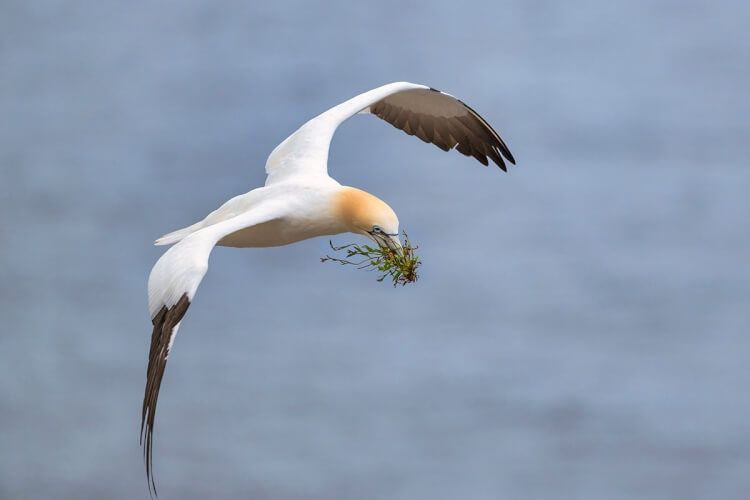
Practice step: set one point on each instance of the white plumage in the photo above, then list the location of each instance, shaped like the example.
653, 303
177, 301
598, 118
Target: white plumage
299, 201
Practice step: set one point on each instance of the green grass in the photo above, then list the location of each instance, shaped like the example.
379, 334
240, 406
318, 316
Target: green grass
401, 270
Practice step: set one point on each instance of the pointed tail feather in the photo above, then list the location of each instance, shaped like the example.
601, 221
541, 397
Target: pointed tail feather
178, 235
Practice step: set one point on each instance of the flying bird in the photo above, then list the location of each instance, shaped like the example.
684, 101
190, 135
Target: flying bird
299, 201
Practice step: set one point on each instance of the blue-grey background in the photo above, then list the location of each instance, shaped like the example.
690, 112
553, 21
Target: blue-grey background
580, 330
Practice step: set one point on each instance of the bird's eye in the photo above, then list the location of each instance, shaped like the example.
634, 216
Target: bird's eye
376, 229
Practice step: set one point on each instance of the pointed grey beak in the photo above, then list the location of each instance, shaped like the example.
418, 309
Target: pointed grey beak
389, 241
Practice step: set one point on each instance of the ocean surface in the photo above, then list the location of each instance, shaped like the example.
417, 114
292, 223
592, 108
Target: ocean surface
581, 328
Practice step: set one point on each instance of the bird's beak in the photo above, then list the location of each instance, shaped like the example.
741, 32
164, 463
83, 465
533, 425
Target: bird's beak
390, 242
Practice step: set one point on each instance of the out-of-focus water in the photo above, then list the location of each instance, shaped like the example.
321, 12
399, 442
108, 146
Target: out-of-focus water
581, 327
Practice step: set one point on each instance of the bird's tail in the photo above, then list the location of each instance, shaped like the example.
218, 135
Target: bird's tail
178, 235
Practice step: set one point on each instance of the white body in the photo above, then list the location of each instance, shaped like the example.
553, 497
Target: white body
299, 201
295, 204
307, 215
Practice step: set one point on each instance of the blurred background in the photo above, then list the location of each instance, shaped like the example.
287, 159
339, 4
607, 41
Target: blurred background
580, 330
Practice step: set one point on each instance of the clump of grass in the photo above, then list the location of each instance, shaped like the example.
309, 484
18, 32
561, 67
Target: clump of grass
401, 270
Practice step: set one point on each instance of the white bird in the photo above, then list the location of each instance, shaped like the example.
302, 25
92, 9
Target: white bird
298, 201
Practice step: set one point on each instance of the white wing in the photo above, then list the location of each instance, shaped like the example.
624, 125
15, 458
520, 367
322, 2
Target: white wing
171, 288
431, 115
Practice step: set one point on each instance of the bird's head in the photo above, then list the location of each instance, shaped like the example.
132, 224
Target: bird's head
363, 213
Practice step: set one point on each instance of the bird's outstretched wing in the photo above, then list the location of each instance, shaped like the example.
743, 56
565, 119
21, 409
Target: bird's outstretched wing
431, 115
171, 288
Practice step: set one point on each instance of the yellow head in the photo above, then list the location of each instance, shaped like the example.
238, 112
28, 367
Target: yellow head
363, 213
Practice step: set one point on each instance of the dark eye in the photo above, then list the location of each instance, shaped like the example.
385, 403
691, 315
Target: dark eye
376, 229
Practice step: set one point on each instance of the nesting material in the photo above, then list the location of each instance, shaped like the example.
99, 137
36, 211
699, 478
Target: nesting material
401, 270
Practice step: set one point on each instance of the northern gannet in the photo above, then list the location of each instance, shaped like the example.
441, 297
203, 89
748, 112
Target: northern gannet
298, 201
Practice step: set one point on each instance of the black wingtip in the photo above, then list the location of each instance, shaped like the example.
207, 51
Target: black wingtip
499, 143
501, 152
164, 323
501, 164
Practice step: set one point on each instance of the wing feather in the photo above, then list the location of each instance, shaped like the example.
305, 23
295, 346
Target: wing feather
431, 115
428, 129
446, 116
172, 284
